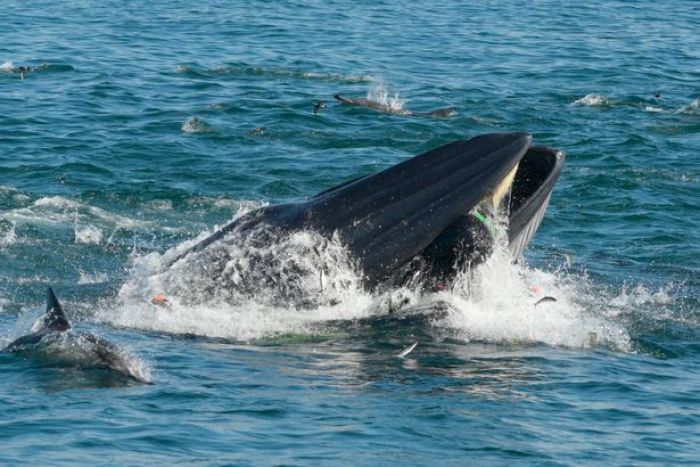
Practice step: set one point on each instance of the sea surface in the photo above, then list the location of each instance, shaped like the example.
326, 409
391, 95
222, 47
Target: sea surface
137, 127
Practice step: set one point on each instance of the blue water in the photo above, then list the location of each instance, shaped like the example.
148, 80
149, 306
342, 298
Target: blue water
134, 131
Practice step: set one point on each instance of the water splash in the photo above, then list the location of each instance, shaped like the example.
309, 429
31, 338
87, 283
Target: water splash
7, 234
380, 93
196, 125
88, 235
61, 210
501, 308
693, 108
253, 287
7, 66
96, 278
593, 100
653, 109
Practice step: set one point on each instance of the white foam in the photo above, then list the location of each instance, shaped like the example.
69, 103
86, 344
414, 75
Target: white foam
7, 67
501, 308
380, 93
161, 204
314, 281
592, 100
60, 210
88, 235
9, 236
195, 125
693, 108
338, 77
641, 295
96, 278
653, 109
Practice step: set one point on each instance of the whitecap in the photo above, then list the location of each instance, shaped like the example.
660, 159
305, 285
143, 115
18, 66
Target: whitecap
592, 100
693, 108
88, 235
338, 77
8, 237
95, 278
60, 210
7, 67
195, 125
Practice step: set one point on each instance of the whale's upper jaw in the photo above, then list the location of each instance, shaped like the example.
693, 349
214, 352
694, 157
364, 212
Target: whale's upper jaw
386, 219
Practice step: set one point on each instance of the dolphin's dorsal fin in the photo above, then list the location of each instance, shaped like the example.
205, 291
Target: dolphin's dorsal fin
55, 319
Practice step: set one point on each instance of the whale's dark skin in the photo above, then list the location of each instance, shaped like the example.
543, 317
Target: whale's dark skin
418, 215
379, 107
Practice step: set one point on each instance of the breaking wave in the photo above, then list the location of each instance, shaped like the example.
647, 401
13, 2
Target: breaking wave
253, 70
8, 236
60, 210
9, 66
592, 100
693, 108
88, 235
196, 125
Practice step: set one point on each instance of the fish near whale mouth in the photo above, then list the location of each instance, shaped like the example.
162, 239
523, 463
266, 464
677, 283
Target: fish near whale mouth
432, 213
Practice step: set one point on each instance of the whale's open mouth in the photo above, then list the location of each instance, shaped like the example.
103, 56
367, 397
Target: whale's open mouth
508, 213
538, 172
434, 212
439, 207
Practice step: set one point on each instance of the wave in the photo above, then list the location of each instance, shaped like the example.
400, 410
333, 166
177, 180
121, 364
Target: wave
196, 125
88, 235
58, 210
593, 100
8, 236
95, 278
653, 109
693, 108
252, 70
10, 67
7, 67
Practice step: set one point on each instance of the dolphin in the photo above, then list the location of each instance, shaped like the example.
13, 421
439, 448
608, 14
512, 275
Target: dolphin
427, 217
54, 335
379, 107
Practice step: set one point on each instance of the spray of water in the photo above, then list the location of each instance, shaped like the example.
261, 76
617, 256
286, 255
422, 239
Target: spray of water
380, 93
258, 284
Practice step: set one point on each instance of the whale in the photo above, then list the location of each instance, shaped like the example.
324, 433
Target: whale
418, 223
53, 336
379, 107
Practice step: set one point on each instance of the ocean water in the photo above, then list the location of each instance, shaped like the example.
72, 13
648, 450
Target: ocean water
140, 126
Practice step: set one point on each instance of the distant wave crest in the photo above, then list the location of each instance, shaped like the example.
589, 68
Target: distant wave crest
592, 100
253, 70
